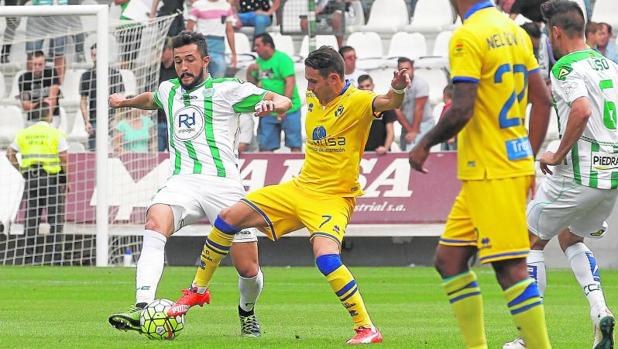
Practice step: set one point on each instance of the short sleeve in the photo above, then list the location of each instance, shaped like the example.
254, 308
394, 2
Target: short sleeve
84, 85
157, 95
421, 88
287, 66
568, 83
245, 96
465, 56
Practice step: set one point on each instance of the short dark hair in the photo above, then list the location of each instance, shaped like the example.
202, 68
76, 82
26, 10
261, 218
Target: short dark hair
266, 39
592, 27
405, 60
532, 29
607, 25
365, 77
35, 54
567, 15
188, 38
345, 49
326, 60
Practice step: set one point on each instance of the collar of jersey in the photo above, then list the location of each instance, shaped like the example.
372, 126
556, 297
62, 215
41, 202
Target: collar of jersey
343, 90
195, 87
478, 6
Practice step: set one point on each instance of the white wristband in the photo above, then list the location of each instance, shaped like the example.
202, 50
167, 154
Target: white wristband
399, 92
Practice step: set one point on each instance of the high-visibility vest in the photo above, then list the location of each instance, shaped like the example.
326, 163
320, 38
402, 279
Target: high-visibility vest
38, 145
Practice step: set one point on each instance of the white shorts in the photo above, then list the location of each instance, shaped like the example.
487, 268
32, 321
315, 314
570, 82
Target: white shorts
561, 203
194, 197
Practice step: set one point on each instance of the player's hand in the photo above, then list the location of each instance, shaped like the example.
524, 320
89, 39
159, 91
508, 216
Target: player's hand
417, 157
265, 107
546, 160
381, 150
115, 100
400, 80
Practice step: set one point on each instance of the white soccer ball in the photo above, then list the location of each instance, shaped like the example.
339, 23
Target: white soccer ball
156, 324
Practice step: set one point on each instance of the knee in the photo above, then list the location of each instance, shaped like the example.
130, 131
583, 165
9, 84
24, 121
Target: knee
262, 20
247, 269
328, 263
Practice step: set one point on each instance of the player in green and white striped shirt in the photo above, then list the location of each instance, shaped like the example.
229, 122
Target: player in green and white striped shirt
580, 193
203, 116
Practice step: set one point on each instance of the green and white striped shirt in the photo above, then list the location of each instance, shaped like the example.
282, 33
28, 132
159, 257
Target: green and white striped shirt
203, 123
593, 160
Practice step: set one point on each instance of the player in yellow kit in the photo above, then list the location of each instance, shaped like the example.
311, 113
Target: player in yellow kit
322, 198
494, 70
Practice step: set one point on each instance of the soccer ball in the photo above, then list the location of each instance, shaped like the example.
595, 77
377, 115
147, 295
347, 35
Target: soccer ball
155, 322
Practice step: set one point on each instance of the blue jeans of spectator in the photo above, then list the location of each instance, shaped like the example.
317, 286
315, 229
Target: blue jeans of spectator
162, 136
216, 51
269, 132
251, 19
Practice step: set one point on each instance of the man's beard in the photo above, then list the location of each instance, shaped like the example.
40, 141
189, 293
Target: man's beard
196, 81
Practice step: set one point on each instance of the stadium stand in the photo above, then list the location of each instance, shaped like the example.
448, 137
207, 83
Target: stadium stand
244, 50
11, 121
284, 43
320, 40
387, 16
369, 50
2, 85
432, 16
605, 11
402, 44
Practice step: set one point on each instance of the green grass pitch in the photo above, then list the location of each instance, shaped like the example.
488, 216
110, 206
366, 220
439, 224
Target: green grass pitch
64, 307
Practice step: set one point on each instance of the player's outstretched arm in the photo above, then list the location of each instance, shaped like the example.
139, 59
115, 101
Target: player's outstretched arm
539, 97
142, 101
394, 97
273, 103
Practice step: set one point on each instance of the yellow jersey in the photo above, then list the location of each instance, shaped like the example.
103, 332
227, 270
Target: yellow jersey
336, 137
493, 51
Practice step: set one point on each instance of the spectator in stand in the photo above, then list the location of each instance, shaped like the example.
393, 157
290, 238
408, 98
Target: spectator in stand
37, 85
44, 165
539, 42
604, 45
213, 18
592, 34
129, 36
329, 14
135, 133
170, 7
255, 13
274, 71
349, 59
447, 98
167, 71
88, 93
382, 132
415, 112
9, 31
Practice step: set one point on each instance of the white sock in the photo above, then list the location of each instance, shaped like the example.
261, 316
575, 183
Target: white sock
250, 289
149, 266
586, 272
536, 269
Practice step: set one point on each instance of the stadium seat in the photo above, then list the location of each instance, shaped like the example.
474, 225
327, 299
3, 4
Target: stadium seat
410, 45
75, 147
14, 94
355, 18
284, 43
381, 79
440, 46
244, 50
70, 86
2, 85
130, 82
78, 131
437, 79
11, 194
605, 11
11, 121
432, 16
368, 46
387, 16
291, 13
112, 47
320, 40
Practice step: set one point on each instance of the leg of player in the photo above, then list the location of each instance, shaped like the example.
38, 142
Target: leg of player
524, 301
159, 227
217, 245
250, 283
586, 270
459, 283
328, 261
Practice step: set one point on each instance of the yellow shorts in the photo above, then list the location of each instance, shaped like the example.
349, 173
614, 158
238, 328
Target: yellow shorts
490, 215
287, 207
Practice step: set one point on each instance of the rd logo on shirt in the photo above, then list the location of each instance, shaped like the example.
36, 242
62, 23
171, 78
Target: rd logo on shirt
188, 123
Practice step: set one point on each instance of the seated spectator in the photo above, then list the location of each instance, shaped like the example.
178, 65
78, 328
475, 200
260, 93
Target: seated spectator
167, 71
255, 13
39, 84
168, 8
592, 33
447, 98
129, 36
382, 132
88, 101
349, 59
213, 18
135, 133
606, 47
329, 14
274, 71
415, 112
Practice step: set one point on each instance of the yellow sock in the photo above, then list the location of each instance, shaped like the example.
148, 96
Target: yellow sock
344, 285
464, 295
216, 247
526, 306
